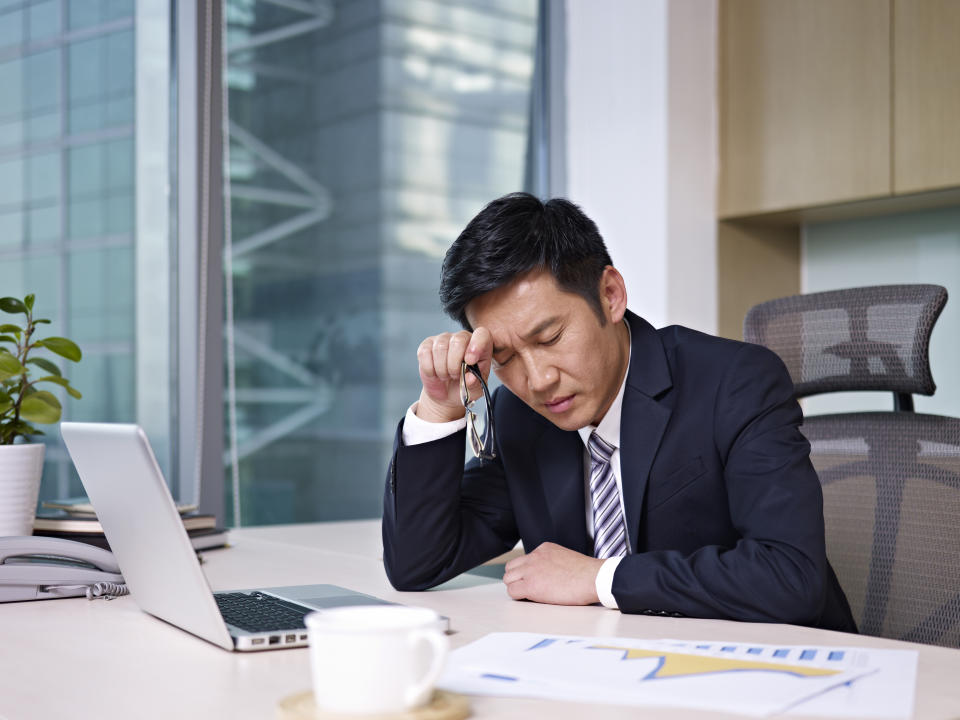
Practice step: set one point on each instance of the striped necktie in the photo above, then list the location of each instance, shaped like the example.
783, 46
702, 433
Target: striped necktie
609, 536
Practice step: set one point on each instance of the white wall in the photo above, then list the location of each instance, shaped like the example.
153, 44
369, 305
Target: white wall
641, 146
693, 165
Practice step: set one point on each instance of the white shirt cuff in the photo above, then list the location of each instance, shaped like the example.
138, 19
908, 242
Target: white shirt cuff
416, 430
604, 582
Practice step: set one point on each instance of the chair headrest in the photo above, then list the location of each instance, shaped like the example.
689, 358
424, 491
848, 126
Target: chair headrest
867, 338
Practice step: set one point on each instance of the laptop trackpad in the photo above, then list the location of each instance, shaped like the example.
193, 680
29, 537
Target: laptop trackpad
323, 596
328, 596
342, 600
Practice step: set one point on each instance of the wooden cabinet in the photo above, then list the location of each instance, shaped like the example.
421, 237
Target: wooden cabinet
754, 263
804, 103
829, 110
926, 93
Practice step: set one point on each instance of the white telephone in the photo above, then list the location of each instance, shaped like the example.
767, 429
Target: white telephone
41, 568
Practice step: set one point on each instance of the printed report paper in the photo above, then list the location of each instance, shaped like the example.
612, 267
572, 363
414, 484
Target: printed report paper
747, 678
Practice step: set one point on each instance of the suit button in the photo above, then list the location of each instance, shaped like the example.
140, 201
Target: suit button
676, 614
663, 613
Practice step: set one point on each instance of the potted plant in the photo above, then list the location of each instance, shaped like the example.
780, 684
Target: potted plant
22, 405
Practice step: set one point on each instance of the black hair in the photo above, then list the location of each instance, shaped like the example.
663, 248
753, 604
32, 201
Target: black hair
518, 233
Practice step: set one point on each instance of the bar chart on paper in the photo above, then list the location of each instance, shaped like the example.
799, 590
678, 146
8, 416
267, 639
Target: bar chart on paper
753, 679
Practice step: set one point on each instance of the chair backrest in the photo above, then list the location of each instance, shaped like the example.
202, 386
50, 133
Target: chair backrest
870, 338
891, 480
891, 505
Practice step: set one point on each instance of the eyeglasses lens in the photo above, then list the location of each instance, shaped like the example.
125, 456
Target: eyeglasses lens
479, 425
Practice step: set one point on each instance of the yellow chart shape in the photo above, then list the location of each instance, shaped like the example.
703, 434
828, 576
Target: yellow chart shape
684, 665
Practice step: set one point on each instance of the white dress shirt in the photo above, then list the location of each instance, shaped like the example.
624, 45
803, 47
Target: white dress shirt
416, 431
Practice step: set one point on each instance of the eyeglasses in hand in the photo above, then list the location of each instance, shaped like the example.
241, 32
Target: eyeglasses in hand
479, 414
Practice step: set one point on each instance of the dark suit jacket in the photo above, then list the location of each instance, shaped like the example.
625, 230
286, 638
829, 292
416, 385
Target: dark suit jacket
723, 508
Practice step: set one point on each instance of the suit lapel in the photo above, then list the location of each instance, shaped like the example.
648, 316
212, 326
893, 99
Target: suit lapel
643, 419
560, 464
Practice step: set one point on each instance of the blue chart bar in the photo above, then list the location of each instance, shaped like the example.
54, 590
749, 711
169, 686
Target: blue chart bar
547, 642
755, 651
808, 654
781, 653
728, 648
835, 655
703, 647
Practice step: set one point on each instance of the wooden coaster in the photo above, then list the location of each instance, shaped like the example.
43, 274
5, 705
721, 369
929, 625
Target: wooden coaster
443, 706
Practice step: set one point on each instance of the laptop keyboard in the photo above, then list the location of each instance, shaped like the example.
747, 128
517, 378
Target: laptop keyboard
256, 612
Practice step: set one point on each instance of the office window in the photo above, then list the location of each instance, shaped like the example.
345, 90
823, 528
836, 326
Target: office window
68, 223
363, 135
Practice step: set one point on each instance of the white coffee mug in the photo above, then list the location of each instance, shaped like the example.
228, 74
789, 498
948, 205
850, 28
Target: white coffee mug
375, 658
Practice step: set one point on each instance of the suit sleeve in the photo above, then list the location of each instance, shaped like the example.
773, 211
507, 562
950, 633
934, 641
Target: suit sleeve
777, 571
439, 517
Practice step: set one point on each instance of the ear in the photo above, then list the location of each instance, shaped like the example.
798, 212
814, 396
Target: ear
613, 294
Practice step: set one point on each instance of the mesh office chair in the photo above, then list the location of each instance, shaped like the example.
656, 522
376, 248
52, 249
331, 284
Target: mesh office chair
891, 480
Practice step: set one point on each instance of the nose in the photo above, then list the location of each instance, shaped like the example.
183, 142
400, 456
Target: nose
541, 375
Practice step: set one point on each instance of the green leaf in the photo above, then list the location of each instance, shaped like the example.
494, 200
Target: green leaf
46, 365
28, 301
52, 378
47, 397
12, 305
22, 428
63, 347
10, 366
7, 327
6, 402
8, 338
40, 407
62, 382
41, 321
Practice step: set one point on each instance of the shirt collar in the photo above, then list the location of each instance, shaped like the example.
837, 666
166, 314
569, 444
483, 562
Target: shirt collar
609, 427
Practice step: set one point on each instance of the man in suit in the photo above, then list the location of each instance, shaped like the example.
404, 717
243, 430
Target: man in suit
655, 471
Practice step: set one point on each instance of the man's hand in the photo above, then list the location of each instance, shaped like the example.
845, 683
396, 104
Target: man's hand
553, 574
440, 357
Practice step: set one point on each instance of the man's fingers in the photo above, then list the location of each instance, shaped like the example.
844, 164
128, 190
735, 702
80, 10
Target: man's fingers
517, 589
440, 345
425, 359
480, 349
440, 358
515, 564
511, 576
455, 353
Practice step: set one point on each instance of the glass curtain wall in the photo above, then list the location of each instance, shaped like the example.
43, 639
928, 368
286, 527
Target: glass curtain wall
73, 77
363, 135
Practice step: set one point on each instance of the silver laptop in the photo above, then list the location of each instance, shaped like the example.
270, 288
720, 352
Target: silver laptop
160, 567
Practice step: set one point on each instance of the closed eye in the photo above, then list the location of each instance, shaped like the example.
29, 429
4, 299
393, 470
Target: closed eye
553, 340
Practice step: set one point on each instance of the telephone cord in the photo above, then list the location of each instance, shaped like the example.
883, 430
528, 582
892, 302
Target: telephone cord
105, 590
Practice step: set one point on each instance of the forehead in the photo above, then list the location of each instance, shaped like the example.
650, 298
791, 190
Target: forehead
518, 307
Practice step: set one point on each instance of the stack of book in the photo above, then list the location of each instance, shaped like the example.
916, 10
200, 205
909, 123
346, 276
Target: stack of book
75, 519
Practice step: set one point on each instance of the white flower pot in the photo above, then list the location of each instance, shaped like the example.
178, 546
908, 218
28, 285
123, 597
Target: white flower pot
21, 467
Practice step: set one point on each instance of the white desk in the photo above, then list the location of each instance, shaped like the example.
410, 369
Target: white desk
81, 659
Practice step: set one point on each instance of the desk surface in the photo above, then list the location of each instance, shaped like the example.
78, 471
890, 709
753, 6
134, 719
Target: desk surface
75, 658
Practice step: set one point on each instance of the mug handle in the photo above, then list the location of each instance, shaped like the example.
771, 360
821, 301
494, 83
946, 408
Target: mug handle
439, 645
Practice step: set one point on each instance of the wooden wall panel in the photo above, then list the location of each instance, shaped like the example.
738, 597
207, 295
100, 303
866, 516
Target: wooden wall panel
755, 263
926, 92
805, 109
